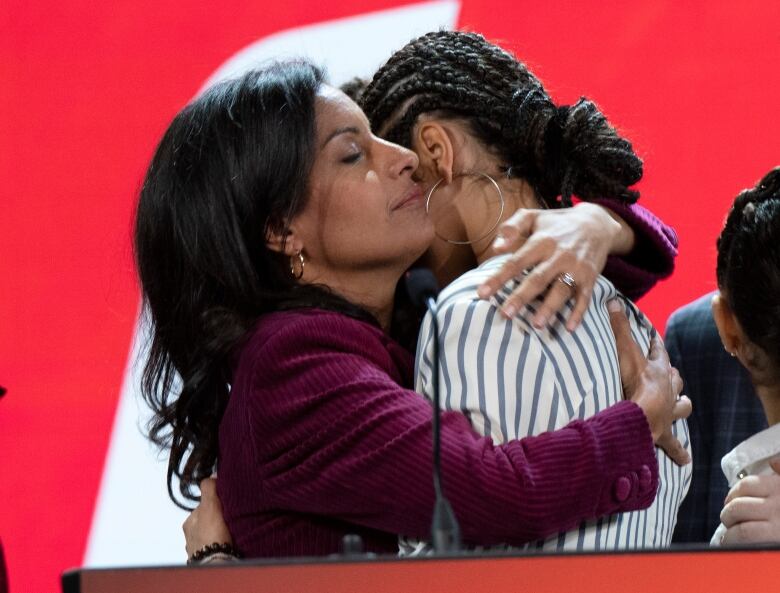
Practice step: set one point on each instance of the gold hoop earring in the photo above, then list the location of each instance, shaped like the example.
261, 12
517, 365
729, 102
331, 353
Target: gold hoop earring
492, 228
297, 259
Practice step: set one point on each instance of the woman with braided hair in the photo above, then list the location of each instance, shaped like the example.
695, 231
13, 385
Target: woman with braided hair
491, 143
554, 149
746, 311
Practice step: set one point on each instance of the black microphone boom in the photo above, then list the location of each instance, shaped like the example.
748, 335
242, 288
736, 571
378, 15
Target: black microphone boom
445, 532
421, 285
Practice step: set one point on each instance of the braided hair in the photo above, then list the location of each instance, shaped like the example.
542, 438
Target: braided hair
560, 151
748, 268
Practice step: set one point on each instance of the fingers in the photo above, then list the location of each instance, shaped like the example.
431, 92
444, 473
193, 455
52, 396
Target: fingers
630, 357
658, 354
526, 257
550, 243
745, 508
752, 510
206, 525
682, 408
533, 284
557, 296
584, 293
190, 527
673, 448
750, 532
754, 486
515, 231
677, 382
775, 464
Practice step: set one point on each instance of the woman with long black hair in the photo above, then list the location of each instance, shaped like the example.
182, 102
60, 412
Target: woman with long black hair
271, 233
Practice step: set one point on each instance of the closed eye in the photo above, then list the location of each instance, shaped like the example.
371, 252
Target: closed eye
352, 158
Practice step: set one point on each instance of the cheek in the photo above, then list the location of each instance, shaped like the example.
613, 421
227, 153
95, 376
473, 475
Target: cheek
354, 207
349, 216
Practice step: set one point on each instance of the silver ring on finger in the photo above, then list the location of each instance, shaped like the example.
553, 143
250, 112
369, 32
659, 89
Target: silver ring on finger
568, 280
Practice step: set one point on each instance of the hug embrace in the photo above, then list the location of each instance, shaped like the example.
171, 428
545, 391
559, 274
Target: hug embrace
274, 225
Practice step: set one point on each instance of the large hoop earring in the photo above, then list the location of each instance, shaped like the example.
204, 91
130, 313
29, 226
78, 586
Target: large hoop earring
297, 259
500, 213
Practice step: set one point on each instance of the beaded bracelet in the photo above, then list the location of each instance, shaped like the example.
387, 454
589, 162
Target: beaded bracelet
212, 549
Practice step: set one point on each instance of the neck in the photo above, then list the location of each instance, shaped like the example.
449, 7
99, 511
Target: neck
449, 261
517, 194
373, 290
770, 400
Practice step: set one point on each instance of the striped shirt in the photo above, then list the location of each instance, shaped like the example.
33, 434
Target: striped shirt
512, 380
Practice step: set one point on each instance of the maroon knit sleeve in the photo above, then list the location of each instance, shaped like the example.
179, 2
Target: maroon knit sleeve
652, 258
338, 437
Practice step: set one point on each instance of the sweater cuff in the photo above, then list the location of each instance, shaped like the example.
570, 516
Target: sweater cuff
654, 250
627, 445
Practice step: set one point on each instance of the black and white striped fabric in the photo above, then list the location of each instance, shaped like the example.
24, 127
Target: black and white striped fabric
513, 380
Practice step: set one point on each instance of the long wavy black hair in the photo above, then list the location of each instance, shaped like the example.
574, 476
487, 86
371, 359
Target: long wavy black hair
748, 269
560, 150
232, 165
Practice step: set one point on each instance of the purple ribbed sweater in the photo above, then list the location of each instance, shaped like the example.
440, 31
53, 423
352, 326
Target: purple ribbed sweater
321, 438
652, 257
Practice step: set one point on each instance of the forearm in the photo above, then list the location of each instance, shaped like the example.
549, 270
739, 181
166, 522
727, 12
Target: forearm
537, 486
652, 252
352, 445
624, 239
514, 493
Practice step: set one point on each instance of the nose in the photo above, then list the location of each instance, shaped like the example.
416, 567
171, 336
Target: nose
401, 160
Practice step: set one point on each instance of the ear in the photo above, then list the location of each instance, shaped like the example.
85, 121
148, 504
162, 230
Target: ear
284, 241
434, 145
728, 328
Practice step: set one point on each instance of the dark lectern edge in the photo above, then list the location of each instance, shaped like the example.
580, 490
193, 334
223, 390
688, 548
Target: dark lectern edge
71, 581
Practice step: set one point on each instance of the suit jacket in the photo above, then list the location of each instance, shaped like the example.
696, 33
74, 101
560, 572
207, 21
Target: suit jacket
726, 411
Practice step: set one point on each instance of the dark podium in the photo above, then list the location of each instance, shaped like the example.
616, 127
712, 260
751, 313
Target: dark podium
688, 569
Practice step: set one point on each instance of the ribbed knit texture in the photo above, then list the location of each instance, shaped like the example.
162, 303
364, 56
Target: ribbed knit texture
652, 258
320, 439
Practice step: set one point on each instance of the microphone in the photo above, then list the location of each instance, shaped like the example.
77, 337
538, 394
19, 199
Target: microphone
421, 285
445, 532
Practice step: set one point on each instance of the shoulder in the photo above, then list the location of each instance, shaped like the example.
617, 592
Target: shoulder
282, 342
311, 327
464, 288
695, 318
460, 308
292, 358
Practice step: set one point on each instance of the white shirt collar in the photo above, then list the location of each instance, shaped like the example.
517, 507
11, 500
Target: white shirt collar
743, 459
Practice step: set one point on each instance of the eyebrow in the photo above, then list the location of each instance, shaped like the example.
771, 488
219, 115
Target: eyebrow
339, 131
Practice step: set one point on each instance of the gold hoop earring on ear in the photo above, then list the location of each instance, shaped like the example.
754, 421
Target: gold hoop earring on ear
297, 259
492, 228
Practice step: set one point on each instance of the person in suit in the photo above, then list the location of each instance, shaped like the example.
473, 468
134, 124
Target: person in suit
726, 383
726, 411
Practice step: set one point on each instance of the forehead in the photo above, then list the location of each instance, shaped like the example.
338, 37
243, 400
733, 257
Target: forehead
334, 109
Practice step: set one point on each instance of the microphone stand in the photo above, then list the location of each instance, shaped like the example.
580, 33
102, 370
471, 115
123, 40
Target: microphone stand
445, 530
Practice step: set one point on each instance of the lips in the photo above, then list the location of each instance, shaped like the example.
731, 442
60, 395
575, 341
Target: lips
413, 197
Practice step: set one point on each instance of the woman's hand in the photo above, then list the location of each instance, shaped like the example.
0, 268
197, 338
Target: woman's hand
752, 511
652, 383
205, 525
574, 241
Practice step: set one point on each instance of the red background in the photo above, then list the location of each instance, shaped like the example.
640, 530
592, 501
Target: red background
87, 87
